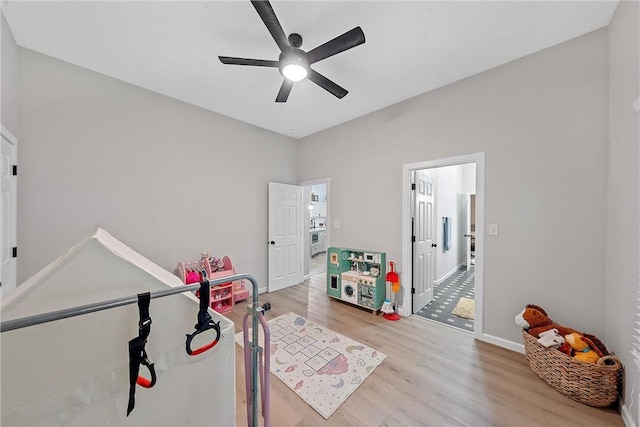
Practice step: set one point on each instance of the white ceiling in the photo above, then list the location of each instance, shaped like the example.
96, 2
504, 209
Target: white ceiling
172, 47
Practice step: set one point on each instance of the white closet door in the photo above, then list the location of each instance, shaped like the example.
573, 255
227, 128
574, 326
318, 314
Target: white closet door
8, 229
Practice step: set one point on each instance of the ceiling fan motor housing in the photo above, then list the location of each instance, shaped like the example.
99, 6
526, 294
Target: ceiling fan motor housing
295, 40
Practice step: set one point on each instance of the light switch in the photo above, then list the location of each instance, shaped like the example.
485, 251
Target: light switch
336, 224
493, 229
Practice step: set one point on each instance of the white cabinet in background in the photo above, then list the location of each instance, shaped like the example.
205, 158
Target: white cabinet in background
319, 209
320, 244
315, 248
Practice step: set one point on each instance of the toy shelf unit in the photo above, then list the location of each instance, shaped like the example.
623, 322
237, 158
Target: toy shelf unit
223, 296
223, 268
357, 276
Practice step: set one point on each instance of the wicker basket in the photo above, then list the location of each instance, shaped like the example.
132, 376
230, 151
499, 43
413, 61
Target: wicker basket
588, 383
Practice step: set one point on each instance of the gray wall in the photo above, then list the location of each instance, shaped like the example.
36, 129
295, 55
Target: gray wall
167, 178
9, 86
623, 196
543, 122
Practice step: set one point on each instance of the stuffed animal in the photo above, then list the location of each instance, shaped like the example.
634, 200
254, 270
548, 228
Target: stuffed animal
535, 320
565, 347
551, 338
584, 349
598, 345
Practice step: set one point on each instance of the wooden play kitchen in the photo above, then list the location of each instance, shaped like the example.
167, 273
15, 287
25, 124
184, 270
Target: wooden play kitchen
357, 276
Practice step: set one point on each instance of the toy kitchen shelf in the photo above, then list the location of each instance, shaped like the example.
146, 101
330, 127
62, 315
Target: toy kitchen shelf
224, 295
357, 277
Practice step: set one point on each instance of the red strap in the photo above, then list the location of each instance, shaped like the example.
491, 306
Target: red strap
203, 348
144, 382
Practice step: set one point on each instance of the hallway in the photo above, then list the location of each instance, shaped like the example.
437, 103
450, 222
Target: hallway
318, 264
446, 296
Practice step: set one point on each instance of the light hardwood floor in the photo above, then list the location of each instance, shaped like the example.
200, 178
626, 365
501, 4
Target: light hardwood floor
433, 375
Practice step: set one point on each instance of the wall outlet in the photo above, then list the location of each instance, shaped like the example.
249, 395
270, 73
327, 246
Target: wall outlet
493, 229
336, 224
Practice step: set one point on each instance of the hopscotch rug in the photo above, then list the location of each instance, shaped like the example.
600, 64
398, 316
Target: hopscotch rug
321, 366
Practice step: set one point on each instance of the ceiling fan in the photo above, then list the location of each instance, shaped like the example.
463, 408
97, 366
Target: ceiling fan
294, 63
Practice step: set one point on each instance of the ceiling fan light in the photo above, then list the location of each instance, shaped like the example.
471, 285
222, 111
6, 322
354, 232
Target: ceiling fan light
294, 72
294, 65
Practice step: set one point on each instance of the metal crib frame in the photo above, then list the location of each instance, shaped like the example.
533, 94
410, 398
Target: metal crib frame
251, 352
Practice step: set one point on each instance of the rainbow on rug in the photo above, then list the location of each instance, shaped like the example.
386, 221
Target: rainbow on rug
321, 366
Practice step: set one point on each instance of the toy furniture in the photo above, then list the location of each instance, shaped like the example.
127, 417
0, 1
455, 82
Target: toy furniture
223, 296
357, 276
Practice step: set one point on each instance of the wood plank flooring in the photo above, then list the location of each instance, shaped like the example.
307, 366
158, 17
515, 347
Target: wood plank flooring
433, 375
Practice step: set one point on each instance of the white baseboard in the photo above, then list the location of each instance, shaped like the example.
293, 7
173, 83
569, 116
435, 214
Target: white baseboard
501, 342
627, 417
449, 274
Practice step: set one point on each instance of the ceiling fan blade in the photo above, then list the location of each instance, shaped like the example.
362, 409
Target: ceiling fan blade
284, 91
327, 84
270, 20
247, 61
341, 43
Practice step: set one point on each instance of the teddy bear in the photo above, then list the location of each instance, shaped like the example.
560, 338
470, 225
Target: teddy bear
584, 349
535, 320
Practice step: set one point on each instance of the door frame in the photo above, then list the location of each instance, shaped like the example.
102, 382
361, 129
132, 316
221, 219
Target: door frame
307, 218
407, 259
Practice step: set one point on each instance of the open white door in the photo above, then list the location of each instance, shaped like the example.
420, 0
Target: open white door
423, 248
8, 230
285, 236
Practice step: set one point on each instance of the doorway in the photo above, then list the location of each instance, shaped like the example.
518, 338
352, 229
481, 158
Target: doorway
286, 234
454, 238
317, 240
292, 231
451, 225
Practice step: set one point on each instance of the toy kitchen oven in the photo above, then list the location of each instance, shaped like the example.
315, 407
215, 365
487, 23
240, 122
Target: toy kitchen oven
357, 276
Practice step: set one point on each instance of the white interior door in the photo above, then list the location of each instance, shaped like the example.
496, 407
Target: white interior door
8, 229
423, 254
285, 236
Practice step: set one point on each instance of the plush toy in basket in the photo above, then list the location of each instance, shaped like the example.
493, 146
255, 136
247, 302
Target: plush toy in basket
535, 320
537, 323
576, 364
